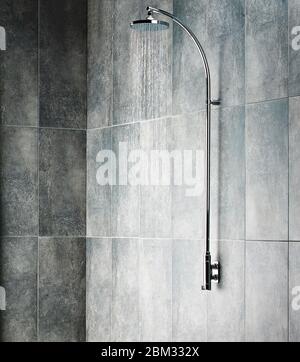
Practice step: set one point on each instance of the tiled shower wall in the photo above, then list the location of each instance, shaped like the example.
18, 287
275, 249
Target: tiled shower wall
144, 256
144, 244
43, 170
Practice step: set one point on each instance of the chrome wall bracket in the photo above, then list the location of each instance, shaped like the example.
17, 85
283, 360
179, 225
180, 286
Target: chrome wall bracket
215, 102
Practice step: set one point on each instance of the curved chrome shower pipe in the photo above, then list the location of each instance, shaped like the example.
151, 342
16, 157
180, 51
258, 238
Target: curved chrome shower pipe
211, 271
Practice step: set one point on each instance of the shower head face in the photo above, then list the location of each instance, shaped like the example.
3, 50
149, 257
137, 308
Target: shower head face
149, 25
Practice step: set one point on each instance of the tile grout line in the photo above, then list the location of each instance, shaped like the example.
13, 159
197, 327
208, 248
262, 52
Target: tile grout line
176, 116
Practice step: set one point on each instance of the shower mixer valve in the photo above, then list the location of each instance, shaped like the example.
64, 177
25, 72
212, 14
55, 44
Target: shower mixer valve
212, 272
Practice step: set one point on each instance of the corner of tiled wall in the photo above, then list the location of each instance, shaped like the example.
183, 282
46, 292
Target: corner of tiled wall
43, 170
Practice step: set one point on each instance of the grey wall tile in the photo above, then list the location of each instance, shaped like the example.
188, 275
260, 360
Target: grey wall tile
63, 33
156, 201
228, 174
267, 171
294, 199
129, 103
156, 302
189, 302
266, 39
294, 58
219, 26
188, 95
18, 275
226, 303
266, 292
226, 50
19, 181
294, 279
62, 182
100, 63
187, 133
125, 302
62, 288
99, 290
19, 63
125, 208
98, 196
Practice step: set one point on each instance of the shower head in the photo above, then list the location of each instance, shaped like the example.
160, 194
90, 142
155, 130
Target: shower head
149, 24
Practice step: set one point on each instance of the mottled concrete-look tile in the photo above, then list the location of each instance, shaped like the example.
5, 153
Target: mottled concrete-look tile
18, 275
156, 201
19, 181
19, 63
125, 207
62, 288
294, 200
99, 290
187, 134
125, 298
226, 50
133, 71
189, 302
100, 63
155, 285
266, 292
63, 63
294, 58
226, 303
267, 171
266, 50
98, 195
62, 182
188, 95
228, 174
220, 28
294, 268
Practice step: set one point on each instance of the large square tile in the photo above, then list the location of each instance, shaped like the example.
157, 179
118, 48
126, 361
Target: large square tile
98, 290
156, 191
100, 63
62, 182
228, 174
125, 205
266, 292
142, 84
266, 39
226, 302
63, 69
189, 301
294, 279
125, 297
267, 171
155, 302
19, 181
98, 190
294, 58
18, 260
294, 175
62, 290
19, 63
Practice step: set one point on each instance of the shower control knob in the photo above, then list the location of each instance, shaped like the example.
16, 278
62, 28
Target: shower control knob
215, 102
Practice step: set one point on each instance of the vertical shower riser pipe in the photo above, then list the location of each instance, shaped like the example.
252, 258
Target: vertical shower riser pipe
211, 271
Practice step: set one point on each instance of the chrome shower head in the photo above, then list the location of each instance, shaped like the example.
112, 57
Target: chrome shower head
149, 24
